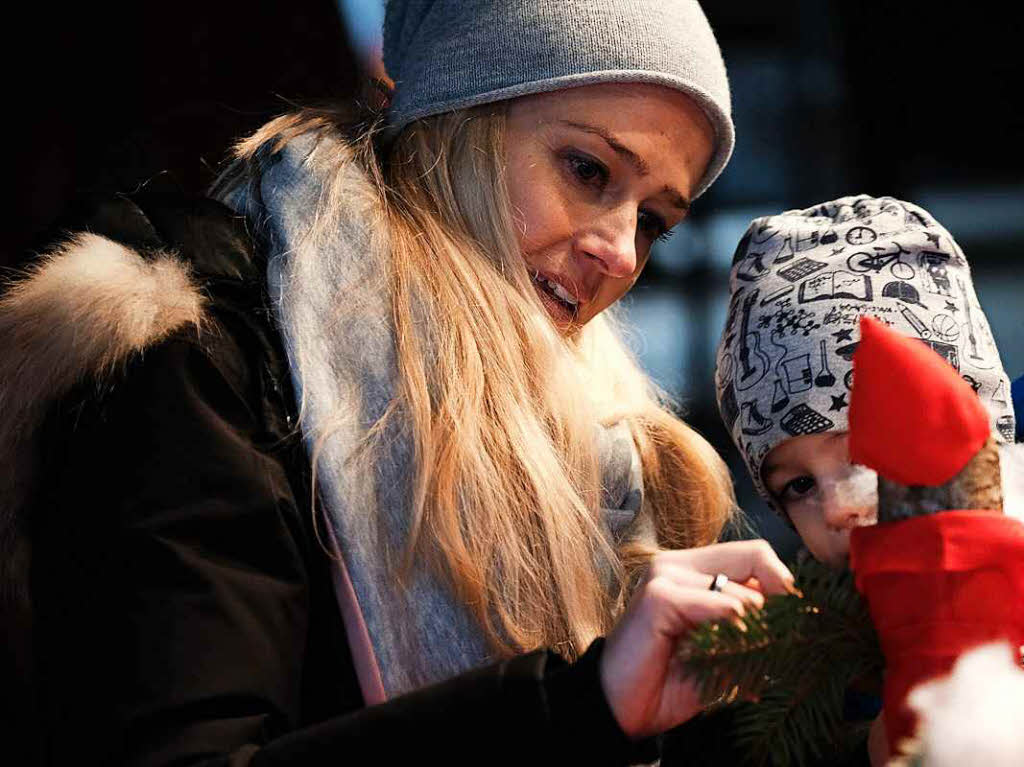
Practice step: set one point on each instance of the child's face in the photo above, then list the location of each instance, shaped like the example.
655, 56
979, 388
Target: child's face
811, 479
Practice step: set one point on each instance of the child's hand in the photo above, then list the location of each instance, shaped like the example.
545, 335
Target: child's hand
641, 676
878, 743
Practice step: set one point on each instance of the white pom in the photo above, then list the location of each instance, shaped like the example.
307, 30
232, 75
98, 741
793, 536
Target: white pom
976, 714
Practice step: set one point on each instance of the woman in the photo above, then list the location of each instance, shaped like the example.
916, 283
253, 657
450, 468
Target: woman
422, 304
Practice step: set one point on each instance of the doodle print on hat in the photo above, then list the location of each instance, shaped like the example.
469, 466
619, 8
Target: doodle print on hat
800, 282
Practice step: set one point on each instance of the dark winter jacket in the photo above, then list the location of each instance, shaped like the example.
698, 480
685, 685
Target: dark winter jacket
179, 607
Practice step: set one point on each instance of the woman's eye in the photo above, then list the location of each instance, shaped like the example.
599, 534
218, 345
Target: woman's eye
653, 225
588, 171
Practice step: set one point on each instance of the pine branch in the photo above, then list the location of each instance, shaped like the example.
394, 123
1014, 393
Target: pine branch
797, 657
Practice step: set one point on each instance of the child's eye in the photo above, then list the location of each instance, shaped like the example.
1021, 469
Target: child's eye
798, 488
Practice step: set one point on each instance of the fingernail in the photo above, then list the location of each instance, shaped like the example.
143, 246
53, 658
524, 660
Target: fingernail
738, 623
792, 589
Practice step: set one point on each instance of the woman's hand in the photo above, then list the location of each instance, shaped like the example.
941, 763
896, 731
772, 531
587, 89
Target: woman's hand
643, 680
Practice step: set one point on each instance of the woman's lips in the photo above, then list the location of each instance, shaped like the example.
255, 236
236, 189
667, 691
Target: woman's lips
561, 311
559, 288
558, 311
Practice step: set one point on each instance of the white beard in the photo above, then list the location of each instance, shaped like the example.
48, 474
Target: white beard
1011, 465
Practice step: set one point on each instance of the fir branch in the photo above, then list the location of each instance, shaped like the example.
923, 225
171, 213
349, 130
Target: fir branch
797, 657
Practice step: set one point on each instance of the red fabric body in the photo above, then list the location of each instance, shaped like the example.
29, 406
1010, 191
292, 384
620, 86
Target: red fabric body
907, 400
936, 586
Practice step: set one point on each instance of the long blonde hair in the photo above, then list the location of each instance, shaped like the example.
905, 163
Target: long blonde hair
502, 409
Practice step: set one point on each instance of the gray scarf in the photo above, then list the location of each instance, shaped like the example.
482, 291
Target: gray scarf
401, 637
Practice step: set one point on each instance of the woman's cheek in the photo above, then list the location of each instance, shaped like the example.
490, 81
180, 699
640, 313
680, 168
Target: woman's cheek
611, 292
533, 202
548, 221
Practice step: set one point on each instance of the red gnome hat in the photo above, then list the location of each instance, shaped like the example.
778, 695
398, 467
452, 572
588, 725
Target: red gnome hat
913, 419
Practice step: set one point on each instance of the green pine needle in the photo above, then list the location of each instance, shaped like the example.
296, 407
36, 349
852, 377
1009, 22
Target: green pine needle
796, 657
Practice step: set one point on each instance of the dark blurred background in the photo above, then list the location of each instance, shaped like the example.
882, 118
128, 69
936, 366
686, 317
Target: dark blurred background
831, 97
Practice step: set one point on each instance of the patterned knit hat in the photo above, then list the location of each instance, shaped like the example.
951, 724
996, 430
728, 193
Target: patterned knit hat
451, 54
800, 282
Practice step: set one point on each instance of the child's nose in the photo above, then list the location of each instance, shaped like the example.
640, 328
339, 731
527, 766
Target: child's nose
850, 498
846, 516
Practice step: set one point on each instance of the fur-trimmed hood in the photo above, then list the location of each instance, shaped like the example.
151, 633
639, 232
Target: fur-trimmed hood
133, 274
79, 314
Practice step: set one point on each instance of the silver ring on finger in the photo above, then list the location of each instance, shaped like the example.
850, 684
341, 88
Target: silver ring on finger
719, 581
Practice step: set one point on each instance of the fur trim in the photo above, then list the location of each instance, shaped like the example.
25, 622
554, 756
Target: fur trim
83, 311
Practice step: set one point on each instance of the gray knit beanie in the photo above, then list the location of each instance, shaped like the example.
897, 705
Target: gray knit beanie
450, 54
800, 282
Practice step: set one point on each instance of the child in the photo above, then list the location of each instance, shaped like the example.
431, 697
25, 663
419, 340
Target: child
800, 282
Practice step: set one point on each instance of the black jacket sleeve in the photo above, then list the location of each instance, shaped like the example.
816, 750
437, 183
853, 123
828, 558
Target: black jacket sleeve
173, 613
531, 710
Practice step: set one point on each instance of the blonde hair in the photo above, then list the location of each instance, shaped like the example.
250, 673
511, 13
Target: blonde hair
503, 410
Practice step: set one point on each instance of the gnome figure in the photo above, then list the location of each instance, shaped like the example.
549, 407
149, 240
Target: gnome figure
943, 571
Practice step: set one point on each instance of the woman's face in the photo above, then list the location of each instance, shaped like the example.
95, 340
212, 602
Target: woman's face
596, 175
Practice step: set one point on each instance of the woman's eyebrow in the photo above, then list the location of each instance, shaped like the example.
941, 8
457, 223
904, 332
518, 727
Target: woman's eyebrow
638, 162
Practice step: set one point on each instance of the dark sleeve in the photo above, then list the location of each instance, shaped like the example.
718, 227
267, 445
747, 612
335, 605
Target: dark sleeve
531, 710
174, 606
170, 583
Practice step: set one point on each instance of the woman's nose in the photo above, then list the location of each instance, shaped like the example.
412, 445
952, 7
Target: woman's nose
612, 243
